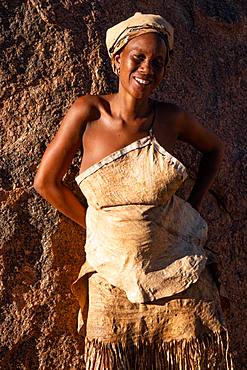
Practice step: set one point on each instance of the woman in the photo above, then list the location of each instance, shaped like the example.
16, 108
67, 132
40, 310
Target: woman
153, 303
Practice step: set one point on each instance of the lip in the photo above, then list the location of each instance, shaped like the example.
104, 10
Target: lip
144, 79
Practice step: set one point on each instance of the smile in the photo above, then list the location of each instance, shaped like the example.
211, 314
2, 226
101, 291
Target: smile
142, 81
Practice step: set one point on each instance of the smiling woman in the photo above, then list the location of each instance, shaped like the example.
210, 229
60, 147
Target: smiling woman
141, 64
148, 299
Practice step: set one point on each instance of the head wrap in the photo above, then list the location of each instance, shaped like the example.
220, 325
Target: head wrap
120, 34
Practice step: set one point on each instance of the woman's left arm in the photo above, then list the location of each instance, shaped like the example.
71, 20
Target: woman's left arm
212, 148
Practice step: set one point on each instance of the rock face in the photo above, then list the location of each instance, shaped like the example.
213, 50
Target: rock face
54, 51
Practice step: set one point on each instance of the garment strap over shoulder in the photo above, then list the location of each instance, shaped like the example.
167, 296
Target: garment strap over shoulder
151, 132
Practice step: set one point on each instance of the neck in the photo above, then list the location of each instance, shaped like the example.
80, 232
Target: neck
128, 108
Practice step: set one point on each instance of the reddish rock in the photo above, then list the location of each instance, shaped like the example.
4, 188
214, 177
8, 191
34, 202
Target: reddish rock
54, 51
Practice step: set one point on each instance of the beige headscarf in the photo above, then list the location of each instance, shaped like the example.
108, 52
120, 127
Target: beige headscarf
120, 34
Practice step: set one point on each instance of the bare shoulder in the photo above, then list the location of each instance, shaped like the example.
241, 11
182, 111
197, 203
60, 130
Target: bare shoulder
169, 115
83, 111
186, 127
168, 107
89, 106
85, 106
168, 111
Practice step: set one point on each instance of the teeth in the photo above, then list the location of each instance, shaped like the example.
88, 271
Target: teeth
141, 81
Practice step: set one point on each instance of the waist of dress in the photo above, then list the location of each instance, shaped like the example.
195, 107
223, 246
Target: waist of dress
149, 251
145, 222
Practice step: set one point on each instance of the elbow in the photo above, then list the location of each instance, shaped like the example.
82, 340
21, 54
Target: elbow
39, 185
218, 149
215, 153
46, 186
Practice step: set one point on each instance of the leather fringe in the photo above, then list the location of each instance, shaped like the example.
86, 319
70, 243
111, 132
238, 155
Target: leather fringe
209, 352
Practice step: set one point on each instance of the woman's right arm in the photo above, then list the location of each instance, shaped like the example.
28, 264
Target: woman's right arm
57, 159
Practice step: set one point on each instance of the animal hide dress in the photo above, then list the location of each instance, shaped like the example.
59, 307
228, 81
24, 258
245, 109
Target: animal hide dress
147, 298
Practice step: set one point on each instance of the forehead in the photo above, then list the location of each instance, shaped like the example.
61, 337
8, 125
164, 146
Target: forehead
151, 43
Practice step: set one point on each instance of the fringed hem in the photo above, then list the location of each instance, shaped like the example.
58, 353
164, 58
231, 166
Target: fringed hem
208, 352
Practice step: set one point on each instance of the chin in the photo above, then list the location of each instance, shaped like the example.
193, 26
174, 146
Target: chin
138, 92
141, 94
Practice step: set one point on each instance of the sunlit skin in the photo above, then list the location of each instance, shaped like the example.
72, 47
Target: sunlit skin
143, 57
100, 125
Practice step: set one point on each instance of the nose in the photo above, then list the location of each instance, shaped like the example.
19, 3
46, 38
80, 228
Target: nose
146, 67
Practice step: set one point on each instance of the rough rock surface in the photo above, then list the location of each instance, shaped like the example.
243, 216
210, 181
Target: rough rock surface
54, 51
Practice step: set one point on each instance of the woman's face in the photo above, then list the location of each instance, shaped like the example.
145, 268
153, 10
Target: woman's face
142, 64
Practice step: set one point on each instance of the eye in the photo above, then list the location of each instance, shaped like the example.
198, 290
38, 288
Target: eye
138, 57
158, 63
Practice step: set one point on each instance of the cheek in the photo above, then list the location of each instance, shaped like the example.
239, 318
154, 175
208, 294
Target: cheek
129, 64
160, 74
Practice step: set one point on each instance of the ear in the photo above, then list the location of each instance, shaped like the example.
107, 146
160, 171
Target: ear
117, 60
